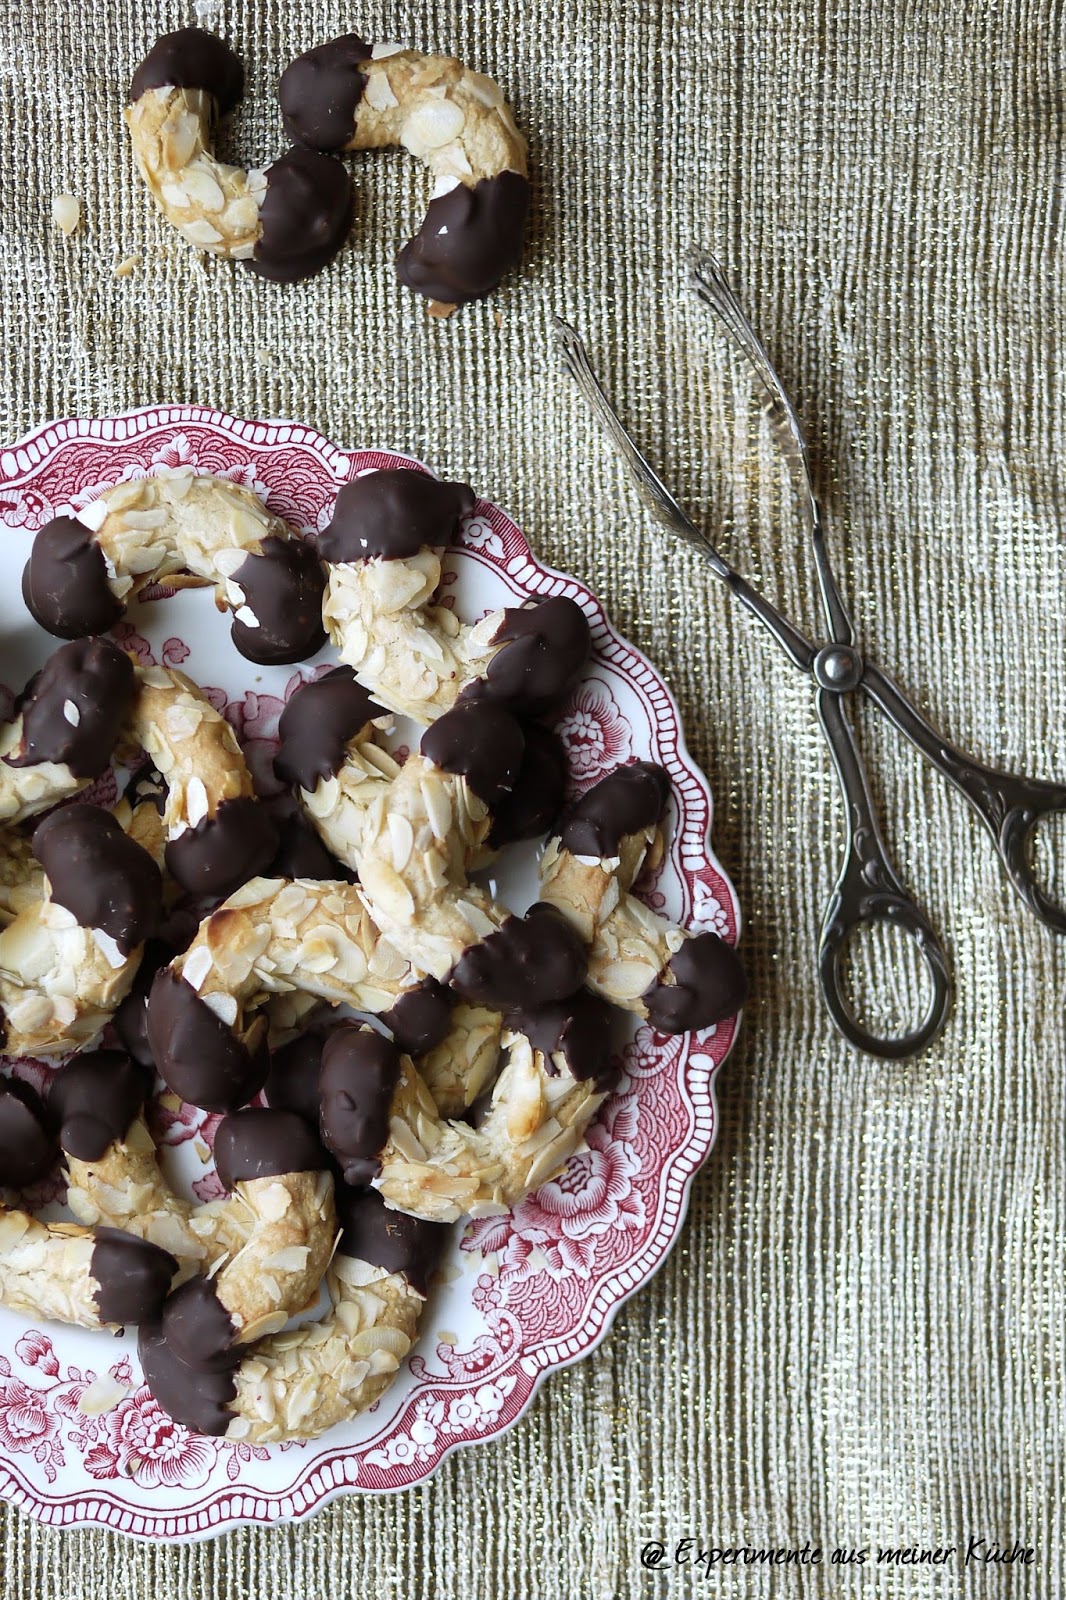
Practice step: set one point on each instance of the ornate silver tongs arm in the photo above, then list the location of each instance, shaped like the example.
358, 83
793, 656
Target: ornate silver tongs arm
1010, 805
662, 505
709, 283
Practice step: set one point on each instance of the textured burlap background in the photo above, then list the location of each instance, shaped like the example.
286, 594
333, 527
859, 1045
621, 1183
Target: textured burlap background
860, 1337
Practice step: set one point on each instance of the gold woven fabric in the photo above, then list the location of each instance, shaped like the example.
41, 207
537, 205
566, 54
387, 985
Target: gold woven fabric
860, 1337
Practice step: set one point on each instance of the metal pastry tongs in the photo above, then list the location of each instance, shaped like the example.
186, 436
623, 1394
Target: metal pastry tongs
867, 890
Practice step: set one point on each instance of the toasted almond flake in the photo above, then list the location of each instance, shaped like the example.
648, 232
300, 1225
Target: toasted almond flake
440, 308
94, 515
388, 893
102, 1396
292, 1258
66, 213
381, 52
246, 615
108, 949
405, 1142
274, 1202
196, 967
127, 266
437, 801
71, 713
627, 980
378, 92
201, 233
475, 918
195, 801
431, 125
224, 1006
201, 187
401, 838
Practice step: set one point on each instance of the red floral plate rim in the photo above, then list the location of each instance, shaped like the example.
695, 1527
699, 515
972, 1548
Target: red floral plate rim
555, 1271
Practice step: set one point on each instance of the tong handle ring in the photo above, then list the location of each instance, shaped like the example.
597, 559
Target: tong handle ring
868, 892
856, 903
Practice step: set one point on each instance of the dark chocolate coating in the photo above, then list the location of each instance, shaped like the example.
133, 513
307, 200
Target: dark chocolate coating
93, 1098
146, 786
360, 1071
133, 1277
394, 514
421, 1017
580, 1028
224, 851
627, 801
530, 962
283, 587
191, 59
317, 724
130, 1021
480, 741
64, 583
304, 216
195, 1054
197, 1326
390, 1239
262, 1143
710, 985
198, 1400
105, 879
293, 1081
468, 239
27, 1144
301, 853
530, 810
545, 647
320, 90
96, 677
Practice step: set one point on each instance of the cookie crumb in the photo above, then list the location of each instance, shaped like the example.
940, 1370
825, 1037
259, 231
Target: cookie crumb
264, 357
439, 308
127, 266
497, 317
66, 213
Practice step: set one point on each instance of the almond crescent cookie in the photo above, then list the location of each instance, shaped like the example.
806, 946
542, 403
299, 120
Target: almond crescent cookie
295, 1385
418, 833
637, 959
66, 725
348, 95
456, 1069
285, 222
380, 1122
68, 958
383, 548
94, 1278
427, 826
268, 1243
330, 756
206, 1025
84, 570
218, 835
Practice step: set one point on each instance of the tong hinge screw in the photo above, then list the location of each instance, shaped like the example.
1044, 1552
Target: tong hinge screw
838, 667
